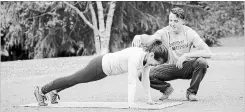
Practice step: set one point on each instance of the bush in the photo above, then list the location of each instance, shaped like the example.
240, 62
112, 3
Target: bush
224, 18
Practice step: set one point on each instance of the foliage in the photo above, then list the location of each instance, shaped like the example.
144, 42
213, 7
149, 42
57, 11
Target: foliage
42, 29
46, 29
133, 18
225, 18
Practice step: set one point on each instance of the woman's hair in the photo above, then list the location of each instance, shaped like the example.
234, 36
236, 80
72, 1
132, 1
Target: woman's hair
159, 50
179, 12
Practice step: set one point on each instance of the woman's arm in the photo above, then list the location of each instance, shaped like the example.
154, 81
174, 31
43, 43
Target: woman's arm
146, 83
132, 75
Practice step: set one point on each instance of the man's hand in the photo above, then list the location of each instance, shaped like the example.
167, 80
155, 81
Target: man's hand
136, 41
179, 63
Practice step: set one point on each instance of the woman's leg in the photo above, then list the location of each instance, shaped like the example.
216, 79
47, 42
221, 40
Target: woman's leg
92, 72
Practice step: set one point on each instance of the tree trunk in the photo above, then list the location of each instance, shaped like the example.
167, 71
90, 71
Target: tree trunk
101, 28
101, 33
97, 43
96, 34
105, 38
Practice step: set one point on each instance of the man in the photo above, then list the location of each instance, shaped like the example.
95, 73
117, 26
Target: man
183, 63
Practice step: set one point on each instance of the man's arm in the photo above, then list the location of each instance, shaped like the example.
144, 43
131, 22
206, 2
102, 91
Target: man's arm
205, 53
147, 39
202, 48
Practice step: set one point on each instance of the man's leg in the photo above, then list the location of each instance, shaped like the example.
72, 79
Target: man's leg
162, 73
193, 69
200, 66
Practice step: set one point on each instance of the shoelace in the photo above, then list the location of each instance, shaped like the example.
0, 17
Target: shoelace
55, 97
44, 97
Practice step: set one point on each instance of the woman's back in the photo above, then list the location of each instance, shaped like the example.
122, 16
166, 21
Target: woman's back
117, 62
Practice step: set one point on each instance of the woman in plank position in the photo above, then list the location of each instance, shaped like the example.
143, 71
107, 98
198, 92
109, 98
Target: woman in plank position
131, 60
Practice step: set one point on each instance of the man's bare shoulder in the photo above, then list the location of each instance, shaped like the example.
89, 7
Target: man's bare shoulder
188, 29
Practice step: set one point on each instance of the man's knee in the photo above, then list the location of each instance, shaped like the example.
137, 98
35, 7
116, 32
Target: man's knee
202, 62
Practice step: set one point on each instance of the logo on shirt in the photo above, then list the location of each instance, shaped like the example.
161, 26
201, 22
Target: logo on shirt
178, 45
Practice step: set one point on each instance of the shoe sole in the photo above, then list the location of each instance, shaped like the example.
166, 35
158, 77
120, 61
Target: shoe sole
192, 99
162, 99
54, 102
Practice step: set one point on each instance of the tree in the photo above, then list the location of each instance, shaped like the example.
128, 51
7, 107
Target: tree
42, 29
52, 29
224, 18
103, 30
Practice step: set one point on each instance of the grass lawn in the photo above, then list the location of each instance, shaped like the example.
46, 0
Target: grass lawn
222, 89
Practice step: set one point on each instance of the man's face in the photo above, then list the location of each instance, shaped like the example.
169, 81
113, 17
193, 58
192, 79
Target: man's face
175, 23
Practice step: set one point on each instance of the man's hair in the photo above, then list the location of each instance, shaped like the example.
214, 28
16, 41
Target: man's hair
179, 12
159, 50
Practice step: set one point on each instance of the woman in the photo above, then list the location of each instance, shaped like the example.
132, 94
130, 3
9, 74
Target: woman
131, 60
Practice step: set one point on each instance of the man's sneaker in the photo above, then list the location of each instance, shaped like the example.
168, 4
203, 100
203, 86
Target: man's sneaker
53, 97
167, 93
191, 97
41, 98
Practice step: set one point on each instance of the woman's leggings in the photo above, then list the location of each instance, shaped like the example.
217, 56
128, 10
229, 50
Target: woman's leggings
92, 72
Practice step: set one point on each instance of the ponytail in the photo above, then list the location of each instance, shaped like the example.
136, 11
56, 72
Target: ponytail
155, 43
